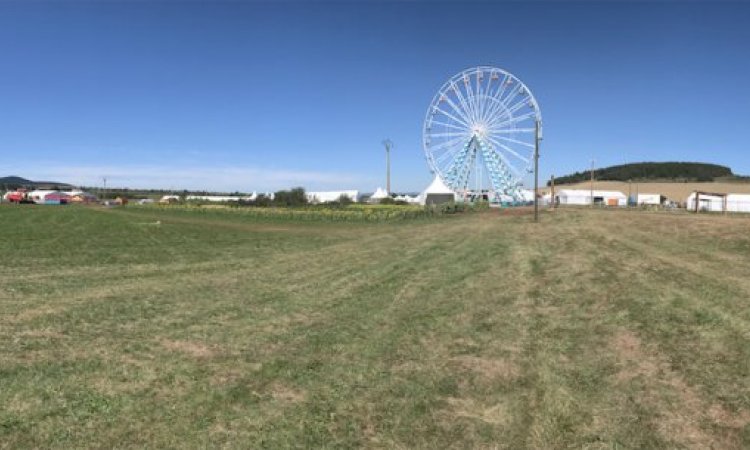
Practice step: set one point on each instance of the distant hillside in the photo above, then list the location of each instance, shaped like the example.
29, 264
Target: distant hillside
15, 182
653, 171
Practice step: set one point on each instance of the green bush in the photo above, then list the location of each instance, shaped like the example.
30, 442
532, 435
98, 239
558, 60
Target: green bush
293, 197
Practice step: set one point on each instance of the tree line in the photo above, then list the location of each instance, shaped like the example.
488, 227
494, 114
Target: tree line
672, 171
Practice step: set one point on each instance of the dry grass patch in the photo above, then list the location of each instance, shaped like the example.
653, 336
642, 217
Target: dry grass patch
683, 413
224, 376
191, 348
33, 313
286, 394
469, 408
42, 334
722, 417
487, 369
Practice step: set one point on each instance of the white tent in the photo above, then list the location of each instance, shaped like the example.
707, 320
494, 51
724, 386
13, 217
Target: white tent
379, 194
527, 195
583, 197
437, 192
169, 199
738, 202
706, 202
650, 199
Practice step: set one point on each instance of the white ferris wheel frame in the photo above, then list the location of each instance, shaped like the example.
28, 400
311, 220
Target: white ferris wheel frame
468, 106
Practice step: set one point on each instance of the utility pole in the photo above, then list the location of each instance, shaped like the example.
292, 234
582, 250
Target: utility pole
552, 192
104, 192
388, 145
630, 192
592, 183
636, 192
536, 171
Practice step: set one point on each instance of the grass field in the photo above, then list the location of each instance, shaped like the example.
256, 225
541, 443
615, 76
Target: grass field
592, 329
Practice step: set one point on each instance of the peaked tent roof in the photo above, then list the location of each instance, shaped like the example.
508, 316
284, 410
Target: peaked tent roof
437, 187
379, 193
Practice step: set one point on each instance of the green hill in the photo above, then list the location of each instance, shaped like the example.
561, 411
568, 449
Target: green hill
653, 171
15, 182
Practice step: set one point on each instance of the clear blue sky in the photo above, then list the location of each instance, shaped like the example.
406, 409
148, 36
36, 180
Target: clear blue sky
261, 96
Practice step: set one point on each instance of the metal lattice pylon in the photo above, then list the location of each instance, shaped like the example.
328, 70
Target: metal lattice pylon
503, 182
458, 174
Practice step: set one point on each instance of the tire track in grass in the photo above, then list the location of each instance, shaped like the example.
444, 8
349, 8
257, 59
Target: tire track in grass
365, 326
561, 315
682, 406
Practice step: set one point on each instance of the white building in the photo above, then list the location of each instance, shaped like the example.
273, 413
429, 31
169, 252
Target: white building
331, 196
719, 202
738, 203
706, 202
583, 197
650, 199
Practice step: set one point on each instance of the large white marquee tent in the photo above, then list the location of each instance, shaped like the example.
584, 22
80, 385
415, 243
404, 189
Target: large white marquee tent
583, 197
437, 192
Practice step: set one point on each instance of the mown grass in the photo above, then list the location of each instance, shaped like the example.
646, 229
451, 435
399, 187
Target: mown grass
142, 327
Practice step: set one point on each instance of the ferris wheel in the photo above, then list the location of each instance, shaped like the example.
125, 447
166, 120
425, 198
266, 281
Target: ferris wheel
481, 131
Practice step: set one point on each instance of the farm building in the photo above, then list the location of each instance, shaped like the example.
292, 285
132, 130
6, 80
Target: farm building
650, 199
583, 197
706, 202
331, 196
436, 193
